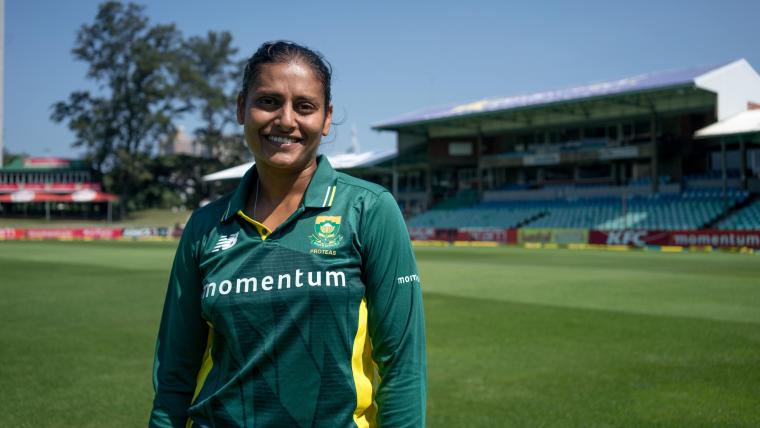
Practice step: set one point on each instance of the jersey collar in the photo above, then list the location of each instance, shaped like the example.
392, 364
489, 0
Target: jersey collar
321, 190
319, 193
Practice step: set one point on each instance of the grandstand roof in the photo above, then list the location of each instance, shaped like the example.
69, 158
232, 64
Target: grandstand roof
746, 122
338, 161
40, 164
711, 78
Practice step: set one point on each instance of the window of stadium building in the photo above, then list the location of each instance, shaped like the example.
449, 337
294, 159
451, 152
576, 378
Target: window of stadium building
594, 132
642, 129
570, 135
627, 131
612, 132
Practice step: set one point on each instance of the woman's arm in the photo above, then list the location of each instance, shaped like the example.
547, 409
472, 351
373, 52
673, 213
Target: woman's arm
182, 338
395, 315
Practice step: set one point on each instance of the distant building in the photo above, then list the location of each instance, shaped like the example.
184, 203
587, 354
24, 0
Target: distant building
183, 144
39, 186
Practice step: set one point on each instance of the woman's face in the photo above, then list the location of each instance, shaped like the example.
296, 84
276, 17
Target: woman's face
284, 116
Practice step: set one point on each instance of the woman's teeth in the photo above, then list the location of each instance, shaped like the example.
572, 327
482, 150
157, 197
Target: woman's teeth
275, 139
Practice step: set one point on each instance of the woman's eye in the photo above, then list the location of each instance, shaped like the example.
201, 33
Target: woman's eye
266, 101
307, 107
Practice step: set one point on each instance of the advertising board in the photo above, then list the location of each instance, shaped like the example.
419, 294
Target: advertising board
552, 236
682, 238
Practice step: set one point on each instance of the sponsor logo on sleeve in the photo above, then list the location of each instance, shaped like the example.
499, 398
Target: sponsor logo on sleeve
408, 279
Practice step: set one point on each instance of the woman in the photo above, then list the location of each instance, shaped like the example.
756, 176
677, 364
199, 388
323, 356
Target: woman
295, 300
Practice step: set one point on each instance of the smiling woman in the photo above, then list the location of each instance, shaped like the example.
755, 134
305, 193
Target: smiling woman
284, 115
285, 110
348, 351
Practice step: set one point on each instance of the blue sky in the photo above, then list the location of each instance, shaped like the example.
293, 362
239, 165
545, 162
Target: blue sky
392, 57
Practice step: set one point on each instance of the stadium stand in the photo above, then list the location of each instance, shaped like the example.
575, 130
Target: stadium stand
620, 154
747, 218
481, 217
692, 209
462, 199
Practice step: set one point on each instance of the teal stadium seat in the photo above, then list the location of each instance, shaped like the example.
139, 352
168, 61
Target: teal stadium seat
692, 209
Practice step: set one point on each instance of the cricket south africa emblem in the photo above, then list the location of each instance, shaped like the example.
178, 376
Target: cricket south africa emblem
326, 232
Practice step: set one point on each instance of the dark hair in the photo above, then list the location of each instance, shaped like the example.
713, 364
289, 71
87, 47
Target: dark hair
283, 51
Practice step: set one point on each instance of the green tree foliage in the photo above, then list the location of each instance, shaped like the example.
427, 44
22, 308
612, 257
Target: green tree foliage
135, 65
9, 157
148, 76
208, 81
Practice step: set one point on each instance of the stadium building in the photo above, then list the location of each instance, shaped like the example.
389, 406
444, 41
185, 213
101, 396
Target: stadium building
613, 155
52, 187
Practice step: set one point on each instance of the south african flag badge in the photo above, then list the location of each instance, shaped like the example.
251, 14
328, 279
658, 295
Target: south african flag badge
326, 232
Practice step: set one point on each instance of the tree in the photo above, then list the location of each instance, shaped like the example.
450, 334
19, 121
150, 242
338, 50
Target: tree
9, 157
208, 80
135, 65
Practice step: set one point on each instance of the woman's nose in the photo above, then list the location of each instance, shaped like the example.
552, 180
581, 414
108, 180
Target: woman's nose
286, 118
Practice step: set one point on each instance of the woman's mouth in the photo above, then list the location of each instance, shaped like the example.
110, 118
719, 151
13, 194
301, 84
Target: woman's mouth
279, 140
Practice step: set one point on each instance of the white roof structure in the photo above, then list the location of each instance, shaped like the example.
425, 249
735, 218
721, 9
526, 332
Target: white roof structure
746, 122
361, 160
735, 83
339, 161
229, 173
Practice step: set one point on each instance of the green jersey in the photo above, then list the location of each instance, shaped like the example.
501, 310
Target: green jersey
316, 323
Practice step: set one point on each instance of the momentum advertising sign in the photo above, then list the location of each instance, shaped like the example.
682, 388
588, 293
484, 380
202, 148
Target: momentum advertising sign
682, 238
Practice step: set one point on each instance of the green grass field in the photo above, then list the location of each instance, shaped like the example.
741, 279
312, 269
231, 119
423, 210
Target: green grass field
515, 337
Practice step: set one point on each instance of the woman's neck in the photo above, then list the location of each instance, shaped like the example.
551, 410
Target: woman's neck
278, 193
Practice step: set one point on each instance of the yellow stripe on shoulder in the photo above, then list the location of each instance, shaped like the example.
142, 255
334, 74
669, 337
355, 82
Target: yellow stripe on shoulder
206, 366
208, 363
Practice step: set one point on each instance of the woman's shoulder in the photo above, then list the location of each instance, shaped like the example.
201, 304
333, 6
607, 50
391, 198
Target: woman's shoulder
357, 185
209, 215
368, 197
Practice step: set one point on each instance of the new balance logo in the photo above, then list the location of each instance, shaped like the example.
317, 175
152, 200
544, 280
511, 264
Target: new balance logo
225, 242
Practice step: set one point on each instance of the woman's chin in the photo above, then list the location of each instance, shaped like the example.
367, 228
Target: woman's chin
287, 160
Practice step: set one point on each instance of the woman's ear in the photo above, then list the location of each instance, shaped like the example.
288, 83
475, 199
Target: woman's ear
328, 121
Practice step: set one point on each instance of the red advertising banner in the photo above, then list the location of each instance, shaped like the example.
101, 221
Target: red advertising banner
682, 238
11, 234
432, 234
493, 235
421, 233
57, 233
102, 232
74, 233
506, 236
